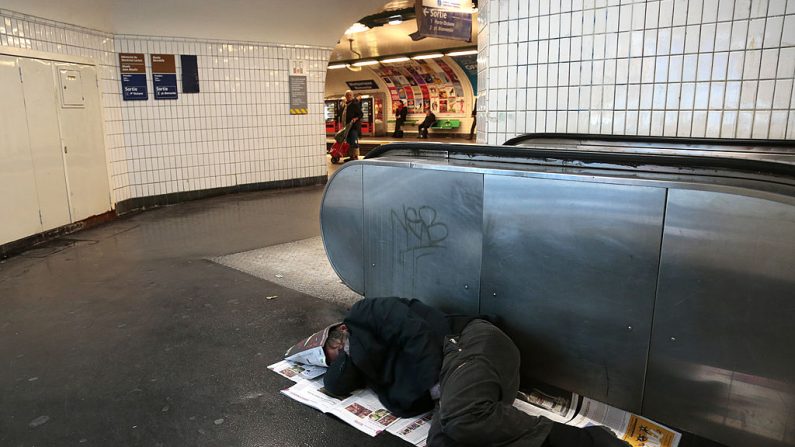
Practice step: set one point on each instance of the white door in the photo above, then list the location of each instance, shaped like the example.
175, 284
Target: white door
41, 107
19, 208
82, 140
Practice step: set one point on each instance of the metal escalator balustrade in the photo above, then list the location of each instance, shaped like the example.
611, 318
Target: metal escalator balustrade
654, 277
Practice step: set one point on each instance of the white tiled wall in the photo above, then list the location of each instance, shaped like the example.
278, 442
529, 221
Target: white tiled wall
238, 130
689, 68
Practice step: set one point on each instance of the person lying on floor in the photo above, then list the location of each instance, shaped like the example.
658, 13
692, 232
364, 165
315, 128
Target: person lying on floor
402, 349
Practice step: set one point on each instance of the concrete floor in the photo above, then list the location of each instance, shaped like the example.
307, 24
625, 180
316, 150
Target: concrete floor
126, 335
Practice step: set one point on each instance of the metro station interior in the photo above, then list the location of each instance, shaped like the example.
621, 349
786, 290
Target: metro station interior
186, 194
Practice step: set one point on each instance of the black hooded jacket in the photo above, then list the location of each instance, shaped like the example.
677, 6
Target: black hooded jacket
396, 347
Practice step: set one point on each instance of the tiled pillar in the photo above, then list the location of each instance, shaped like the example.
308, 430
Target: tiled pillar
687, 68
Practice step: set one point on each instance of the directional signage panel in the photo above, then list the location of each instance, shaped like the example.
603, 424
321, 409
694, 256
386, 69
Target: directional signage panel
132, 67
164, 76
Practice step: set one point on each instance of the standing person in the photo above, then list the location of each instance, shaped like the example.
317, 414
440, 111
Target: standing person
402, 349
430, 120
353, 114
474, 120
400, 118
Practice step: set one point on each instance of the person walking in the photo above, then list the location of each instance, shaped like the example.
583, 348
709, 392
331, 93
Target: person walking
474, 120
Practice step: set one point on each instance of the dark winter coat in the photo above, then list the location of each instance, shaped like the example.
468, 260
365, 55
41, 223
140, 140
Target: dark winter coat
354, 110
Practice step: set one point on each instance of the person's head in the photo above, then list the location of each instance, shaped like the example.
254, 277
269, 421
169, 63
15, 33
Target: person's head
348, 96
400, 104
427, 111
337, 337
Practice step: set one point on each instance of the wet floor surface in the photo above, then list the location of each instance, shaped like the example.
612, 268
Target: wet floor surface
127, 335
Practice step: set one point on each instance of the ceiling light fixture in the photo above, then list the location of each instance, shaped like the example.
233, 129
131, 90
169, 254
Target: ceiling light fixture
337, 66
462, 53
428, 56
392, 60
395, 20
356, 28
363, 63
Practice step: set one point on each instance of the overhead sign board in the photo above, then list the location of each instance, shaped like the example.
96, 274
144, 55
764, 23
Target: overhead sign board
164, 76
460, 5
132, 68
365, 84
443, 23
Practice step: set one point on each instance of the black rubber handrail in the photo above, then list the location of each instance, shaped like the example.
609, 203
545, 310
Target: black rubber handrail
676, 141
614, 158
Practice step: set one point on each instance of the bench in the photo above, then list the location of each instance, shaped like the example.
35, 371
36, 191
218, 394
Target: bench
446, 124
405, 123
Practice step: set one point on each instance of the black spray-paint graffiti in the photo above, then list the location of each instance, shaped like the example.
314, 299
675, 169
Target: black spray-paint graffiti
420, 230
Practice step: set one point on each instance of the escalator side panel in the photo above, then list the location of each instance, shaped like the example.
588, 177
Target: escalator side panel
423, 231
571, 268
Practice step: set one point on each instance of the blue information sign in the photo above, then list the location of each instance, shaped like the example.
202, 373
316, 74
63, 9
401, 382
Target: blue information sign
133, 76
133, 87
165, 85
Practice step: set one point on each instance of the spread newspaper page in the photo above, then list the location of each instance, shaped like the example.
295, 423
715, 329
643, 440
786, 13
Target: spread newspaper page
363, 411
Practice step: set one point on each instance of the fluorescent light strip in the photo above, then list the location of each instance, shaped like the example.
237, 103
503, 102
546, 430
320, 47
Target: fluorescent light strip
394, 59
428, 56
363, 63
337, 66
462, 53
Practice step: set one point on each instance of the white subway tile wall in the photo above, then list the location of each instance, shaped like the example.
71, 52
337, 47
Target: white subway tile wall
238, 130
687, 68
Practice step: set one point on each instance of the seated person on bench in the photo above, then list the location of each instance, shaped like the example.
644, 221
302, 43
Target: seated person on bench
430, 120
402, 349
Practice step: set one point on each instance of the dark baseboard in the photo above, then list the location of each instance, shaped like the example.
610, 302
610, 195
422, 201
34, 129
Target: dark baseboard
143, 203
20, 245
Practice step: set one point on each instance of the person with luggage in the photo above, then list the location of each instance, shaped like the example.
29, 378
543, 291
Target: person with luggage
353, 116
400, 118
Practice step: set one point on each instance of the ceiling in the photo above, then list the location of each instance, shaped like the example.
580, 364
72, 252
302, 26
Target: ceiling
308, 22
394, 39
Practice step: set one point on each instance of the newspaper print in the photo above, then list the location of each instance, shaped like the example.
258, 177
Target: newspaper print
412, 430
636, 430
296, 371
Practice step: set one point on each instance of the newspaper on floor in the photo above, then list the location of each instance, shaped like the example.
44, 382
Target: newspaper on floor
564, 407
636, 430
296, 371
558, 407
413, 430
362, 409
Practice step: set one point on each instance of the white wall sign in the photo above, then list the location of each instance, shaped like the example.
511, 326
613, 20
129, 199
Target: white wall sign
299, 67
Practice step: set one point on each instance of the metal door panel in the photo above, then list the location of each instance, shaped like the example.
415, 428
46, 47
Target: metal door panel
423, 235
571, 268
81, 133
722, 362
19, 205
341, 225
41, 104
